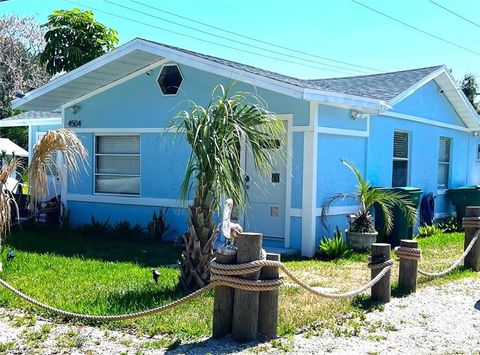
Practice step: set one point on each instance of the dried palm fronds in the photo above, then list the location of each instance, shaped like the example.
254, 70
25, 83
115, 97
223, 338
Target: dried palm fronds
45, 159
7, 202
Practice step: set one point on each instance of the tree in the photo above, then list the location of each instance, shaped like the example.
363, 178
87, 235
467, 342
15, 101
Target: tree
469, 87
215, 134
74, 38
21, 42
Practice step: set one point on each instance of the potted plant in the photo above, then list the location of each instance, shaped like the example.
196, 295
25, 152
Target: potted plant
361, 232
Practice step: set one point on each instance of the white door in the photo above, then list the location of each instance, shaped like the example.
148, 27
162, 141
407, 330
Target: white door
54, 187
265, 212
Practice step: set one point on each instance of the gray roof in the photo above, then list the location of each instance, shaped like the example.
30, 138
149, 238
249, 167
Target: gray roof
384, 86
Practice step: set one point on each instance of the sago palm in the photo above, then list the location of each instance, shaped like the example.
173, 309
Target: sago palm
215, 134
367, 196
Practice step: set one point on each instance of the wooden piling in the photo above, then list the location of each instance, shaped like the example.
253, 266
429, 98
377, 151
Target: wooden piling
407, 277
472, 260
268, 306
223, 302
381, 291
246, 303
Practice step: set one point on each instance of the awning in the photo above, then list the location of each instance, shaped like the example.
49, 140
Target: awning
10, 148
31, 118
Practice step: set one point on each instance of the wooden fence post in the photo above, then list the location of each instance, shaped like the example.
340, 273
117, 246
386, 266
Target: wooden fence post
268, 307
245, 303
223, 302
381, 291
472, 260
407, 277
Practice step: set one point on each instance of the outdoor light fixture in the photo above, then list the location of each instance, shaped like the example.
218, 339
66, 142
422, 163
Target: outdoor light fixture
355, 114
73, 109
155, 275
149, 73
10, 256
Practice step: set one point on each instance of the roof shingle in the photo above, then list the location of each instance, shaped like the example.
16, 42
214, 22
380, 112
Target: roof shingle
384, 86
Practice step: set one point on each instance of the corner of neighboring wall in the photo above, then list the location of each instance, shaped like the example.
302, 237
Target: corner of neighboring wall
309, 191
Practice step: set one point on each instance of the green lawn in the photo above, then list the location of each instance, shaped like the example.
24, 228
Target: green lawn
107, 275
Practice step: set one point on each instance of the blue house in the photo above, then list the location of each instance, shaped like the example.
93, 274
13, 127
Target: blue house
412, 127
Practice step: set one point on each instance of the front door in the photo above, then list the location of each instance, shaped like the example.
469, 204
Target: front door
265, 212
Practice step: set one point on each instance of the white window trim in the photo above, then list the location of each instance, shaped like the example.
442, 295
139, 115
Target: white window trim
449, 163
407, 159
95, 174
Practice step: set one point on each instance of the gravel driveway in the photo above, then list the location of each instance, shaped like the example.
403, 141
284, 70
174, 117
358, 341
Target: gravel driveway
436, 320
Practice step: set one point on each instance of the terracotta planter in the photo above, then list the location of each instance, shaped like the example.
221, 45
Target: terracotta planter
361, 241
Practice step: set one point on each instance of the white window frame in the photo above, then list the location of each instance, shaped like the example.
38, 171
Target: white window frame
95, 174
407, 159
449, 163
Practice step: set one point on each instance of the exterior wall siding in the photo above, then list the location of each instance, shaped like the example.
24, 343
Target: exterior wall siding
374, 155
138, 104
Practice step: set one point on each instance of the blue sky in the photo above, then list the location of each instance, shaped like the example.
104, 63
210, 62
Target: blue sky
338, 29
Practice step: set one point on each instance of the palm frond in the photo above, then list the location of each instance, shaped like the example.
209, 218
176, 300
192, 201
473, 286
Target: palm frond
7, 201
73, 153
330, 201
216, 133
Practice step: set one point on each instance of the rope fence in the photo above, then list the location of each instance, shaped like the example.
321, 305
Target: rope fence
238, 278
221, 275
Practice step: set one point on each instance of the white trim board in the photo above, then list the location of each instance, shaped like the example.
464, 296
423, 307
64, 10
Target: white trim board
127, 200
31, 122
333, 211
116, 82
201, 63
424, 121
342, 132
114, 131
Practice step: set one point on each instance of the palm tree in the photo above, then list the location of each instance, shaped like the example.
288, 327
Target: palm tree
215, 134
61, 140
469, 87
367, 196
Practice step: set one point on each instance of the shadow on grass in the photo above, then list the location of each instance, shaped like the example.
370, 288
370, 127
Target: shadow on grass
141, 299
366, 303
138, 249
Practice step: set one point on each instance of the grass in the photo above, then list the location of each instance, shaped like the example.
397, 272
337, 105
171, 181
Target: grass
106, 275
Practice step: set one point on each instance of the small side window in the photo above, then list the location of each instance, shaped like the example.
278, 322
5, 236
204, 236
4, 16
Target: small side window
444, 162
400, 159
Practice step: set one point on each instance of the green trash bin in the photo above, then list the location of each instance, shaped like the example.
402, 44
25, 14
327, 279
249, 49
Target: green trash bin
462, 197
401, 228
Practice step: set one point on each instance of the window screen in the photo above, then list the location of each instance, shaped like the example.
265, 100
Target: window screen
117, 165
444, 162
400, 159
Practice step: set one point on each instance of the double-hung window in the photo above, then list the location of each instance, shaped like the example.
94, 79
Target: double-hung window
117, 164
400, 159
444, 162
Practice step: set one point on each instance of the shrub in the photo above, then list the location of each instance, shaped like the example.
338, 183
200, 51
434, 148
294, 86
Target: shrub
124, 229
449, 225
427, 231
158, 226
96, 227
332, 248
